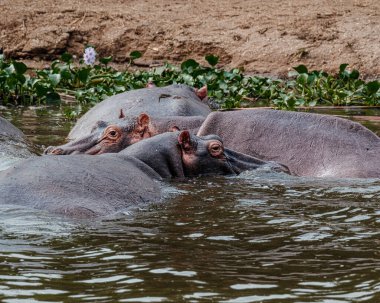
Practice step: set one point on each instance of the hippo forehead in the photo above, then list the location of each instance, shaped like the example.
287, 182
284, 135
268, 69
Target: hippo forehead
211, 137
125, 123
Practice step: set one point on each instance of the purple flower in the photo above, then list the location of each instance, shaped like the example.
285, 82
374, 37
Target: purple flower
89, 56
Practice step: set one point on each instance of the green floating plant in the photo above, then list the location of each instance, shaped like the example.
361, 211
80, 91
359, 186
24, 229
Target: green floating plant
91, 82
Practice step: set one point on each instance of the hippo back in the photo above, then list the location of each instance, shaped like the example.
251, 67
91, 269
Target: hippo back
78, 185
13, 144
172, 100
7, 129
309, 144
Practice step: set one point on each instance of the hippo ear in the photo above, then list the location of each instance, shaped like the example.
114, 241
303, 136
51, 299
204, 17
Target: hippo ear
143, 119
202, 92
184, 140
121, 115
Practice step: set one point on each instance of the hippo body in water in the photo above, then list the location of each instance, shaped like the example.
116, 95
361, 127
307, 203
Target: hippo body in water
163, 109
13, 144
309, 144
87, 186
114, 136
170, 101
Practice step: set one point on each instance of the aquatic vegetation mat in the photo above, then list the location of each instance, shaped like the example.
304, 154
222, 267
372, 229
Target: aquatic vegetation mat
90, 81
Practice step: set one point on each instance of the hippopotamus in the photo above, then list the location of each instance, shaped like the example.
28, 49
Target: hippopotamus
181, 155
84, 186
13, 144
114, 136
309, 144
164, 108
170, 101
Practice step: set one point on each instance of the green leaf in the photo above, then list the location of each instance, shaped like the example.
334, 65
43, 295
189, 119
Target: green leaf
301, 69
212, 59
20, 78
191, 63
135, 55
66, 57
106, 60
66, 74
83, 74
342, 67
302, 78
354, 74
41, 90
373, 87
20, 67
52, 97
54, 79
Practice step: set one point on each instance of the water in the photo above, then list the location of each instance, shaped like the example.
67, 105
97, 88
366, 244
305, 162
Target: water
258, 237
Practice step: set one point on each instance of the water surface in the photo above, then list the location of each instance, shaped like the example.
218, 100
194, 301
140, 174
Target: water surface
258, 237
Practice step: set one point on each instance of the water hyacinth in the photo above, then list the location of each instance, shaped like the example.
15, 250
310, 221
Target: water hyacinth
89, 56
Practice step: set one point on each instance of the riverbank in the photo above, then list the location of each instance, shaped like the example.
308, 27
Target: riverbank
261, 38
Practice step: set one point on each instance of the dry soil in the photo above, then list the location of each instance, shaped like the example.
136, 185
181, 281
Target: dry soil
263, 37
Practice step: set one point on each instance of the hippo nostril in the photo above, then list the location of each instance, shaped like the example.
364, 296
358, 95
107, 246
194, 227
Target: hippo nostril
57, 151
48, 150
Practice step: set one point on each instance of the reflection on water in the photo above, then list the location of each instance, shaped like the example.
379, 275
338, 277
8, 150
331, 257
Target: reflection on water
42, 125
253, 238
369, 117
258, 237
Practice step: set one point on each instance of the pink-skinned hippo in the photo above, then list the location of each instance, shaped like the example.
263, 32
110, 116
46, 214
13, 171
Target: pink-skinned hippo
169, 101
309, 144
83, 186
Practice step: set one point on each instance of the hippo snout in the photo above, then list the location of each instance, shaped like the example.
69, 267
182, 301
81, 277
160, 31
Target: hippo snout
51, 150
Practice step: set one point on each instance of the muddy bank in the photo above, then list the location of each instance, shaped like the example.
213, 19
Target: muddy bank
264, 38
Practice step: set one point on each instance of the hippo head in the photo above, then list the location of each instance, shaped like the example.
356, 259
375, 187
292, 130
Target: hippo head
108, 137
205, 155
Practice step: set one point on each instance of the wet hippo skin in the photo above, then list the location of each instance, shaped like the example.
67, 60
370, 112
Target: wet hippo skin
164, 109
83, 186
309, 144
169, 101
114, 136
13, 144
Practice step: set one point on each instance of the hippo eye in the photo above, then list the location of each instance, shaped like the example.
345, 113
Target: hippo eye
216, 149
112, 133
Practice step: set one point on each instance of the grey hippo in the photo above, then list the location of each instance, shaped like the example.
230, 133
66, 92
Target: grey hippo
83, 186
309, 144
114, 136
175, 106
173, 100
13, 144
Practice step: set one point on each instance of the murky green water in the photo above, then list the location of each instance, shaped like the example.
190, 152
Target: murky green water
259, 237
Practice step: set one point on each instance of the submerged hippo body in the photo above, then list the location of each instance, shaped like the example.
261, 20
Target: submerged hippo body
78, 186
13, 144
309, 144
170, 101
86, 186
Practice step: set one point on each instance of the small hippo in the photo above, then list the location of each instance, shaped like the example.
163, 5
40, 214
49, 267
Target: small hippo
83, 186
181, 154
309, 144
170, 101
